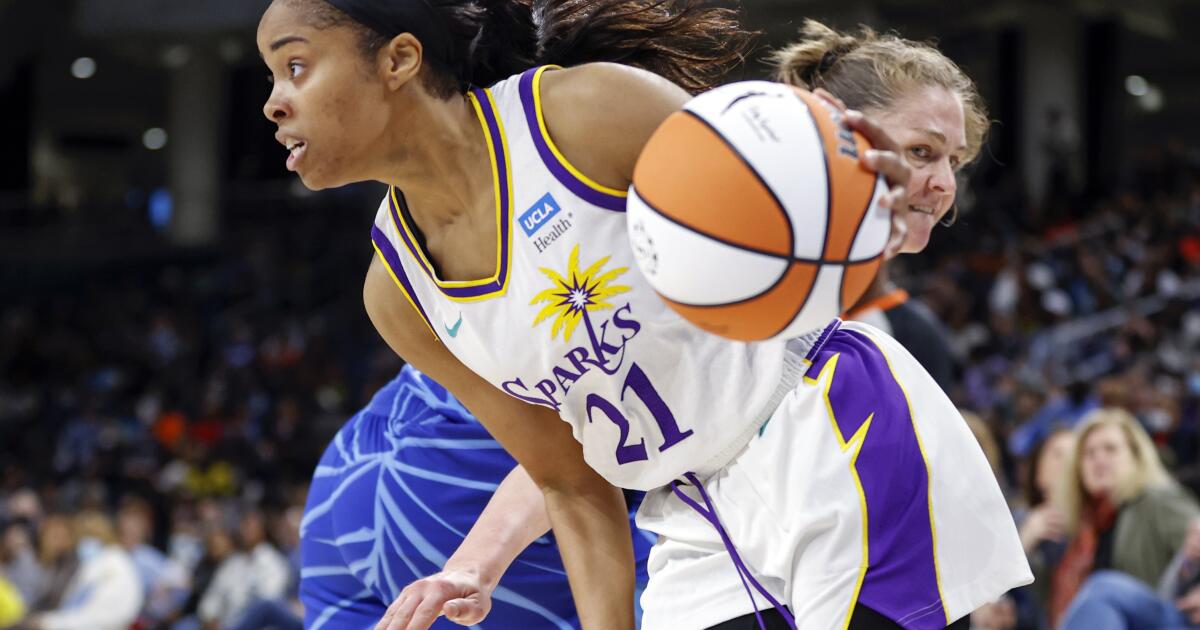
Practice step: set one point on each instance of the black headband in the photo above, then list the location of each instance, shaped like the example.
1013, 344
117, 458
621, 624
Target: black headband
392, 17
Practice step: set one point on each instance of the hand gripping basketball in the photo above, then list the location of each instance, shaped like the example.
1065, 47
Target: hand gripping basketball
762, 212
457, 595
884, 159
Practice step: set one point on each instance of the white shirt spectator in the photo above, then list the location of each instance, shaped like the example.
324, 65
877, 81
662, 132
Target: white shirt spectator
105, 594
242, 579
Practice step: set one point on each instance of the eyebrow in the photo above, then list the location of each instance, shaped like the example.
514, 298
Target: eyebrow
284, 41
941, 137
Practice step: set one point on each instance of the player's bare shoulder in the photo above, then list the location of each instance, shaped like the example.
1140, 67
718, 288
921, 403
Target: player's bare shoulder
397, 322
600, 115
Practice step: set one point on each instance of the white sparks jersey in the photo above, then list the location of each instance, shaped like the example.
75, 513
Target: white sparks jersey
568, 321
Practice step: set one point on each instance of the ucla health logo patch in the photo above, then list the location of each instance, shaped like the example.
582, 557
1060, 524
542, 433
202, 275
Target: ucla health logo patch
540, 214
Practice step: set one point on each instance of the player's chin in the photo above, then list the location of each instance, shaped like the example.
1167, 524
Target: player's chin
315, 180
920, 228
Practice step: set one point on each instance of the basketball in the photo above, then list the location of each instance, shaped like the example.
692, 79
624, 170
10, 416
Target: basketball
751, 216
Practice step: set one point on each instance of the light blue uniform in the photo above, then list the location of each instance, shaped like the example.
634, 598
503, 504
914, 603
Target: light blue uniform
392, 498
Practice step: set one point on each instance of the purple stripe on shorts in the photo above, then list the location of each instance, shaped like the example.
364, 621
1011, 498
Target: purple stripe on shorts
819, 344
901, 579
574, 184
393, 262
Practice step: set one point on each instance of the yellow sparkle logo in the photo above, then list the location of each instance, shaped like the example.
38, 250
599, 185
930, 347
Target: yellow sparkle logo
576, 294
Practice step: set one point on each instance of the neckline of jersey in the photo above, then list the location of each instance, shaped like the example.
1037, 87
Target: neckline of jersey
497, 284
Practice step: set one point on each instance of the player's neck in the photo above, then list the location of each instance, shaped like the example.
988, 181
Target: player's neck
440, 160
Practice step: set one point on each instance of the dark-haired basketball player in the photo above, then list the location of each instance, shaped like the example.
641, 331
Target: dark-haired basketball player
504, 272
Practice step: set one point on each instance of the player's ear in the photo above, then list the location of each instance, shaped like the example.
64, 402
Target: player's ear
399, 61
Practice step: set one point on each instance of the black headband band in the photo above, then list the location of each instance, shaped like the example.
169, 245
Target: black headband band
392, 17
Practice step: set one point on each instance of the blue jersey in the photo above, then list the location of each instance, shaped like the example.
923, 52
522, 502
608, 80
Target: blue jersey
394, 495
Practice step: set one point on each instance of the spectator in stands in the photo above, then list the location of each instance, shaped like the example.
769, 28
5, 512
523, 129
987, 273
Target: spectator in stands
19, 562
1042, 527
1065, 406
1123, 511
105, 593
57, 556
284, 613
257, 571
135, 528
1111, 600
218, 547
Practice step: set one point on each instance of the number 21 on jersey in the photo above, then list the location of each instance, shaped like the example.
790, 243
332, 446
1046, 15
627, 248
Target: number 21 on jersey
637, 382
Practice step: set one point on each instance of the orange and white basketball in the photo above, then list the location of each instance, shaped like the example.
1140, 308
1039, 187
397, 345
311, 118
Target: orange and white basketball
751, 215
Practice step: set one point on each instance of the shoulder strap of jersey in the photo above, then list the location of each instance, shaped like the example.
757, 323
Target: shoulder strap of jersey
595, 193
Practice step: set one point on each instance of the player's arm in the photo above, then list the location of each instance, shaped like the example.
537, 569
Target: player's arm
589, 515
515, 516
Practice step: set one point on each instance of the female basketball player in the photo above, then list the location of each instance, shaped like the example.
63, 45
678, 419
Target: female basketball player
845, 478
932, 109
920, 97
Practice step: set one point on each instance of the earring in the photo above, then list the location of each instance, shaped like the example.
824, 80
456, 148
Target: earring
951, 218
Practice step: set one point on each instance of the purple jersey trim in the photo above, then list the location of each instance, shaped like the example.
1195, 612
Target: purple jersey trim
472, 291
530, 102
392, 260
901, 580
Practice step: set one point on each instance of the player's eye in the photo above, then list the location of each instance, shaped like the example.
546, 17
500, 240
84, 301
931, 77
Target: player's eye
294, 68
921, 152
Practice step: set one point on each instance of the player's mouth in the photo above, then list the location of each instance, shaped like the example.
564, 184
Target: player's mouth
929, 210
296, 149
295, 154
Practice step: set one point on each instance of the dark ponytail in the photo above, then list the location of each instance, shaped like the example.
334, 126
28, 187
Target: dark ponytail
690, 42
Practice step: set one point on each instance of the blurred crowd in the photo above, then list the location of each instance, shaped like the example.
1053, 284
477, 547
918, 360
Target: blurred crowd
1076, 331
159, 422
1050, 314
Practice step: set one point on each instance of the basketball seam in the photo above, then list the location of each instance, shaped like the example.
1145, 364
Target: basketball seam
789, 259
746, 248
758, 176
828, 187
829, 207
861, 218
774, 284
792, 258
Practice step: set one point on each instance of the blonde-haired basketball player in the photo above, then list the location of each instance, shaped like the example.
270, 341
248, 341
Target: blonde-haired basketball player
934, 111
831, 468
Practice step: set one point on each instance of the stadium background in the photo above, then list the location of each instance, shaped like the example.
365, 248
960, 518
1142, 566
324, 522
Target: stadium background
181, 326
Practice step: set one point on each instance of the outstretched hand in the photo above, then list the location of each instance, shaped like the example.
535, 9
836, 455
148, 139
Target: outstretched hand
883, 158
457, 595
